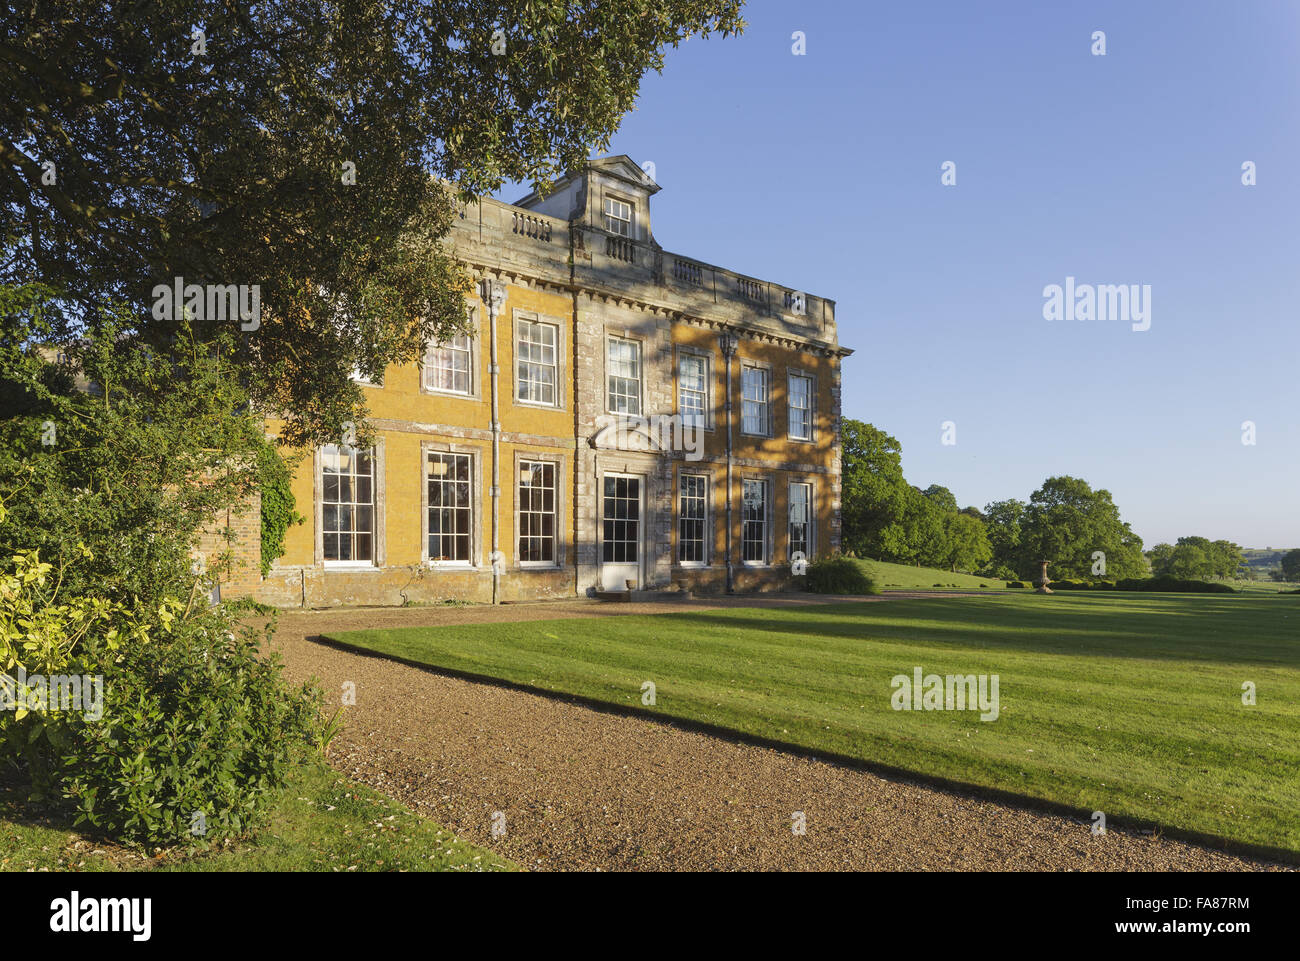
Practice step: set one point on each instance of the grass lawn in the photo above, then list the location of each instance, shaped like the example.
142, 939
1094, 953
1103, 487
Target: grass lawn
321, 822
1262, 587
1126, 703
903, 576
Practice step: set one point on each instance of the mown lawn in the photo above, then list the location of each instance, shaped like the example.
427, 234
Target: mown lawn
321, 822
1128, 704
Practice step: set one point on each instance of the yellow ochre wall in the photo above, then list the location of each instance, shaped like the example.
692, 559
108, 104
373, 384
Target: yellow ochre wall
403, 416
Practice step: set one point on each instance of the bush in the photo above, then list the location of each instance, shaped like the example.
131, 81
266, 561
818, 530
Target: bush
195, 724
1069, 584
1015, 584
1173, 585
184, 715
839, 575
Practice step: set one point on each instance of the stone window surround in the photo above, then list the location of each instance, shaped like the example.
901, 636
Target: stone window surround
609, 193
791, 372
768, 527
710, 380
811, 481
475, 364
709, 532
475, 453
740, 406
559, 324
561, 522
380, 542
640, 341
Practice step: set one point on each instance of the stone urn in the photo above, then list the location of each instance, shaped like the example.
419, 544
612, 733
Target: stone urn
1043, 581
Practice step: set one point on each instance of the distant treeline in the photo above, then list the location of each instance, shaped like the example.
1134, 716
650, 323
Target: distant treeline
1077, 529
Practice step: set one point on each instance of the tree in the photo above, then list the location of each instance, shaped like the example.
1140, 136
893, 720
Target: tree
922, 532
1291, 565
134, 467
942, 498
1226, 559
1067, 522
1002, 524
1160, 557
1196, 558
314, 149
1188, 561
967, 542
873, 492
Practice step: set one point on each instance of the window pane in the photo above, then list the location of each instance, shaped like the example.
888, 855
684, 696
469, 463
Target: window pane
537, 505
801, 407
754, 401
347, 503
754, 521
691, 514
451, 511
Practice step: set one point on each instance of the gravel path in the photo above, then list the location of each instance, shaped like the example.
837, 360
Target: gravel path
582, 789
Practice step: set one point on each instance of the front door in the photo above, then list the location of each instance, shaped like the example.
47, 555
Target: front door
620, 559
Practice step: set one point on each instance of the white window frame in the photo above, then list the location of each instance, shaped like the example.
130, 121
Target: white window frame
810, 527
765, 485
808, 379
556, 366
610, 376
615, 206
376, 518
431, 366
557, 544
766, 402
706, 413
704, 519
471, 508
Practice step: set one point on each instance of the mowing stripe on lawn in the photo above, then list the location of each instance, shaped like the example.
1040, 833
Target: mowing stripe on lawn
1131, 705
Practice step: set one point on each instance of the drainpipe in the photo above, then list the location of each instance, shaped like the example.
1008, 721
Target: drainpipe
729, 342
494, 295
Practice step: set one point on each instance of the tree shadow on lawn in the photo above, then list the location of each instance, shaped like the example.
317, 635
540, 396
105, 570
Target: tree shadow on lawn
1168, 628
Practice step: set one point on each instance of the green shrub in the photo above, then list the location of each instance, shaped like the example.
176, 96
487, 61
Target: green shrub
278, 504
1174, 585
196, 723
839, 575
1015, 584
185, 717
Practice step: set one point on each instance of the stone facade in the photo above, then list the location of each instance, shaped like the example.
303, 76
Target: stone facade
604, 290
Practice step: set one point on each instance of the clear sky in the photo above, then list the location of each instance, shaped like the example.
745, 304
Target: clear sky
823, 172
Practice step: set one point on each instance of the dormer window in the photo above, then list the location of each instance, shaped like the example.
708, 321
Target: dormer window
618, 217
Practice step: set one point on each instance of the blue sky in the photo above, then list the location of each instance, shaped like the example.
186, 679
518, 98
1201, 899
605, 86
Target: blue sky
822, 172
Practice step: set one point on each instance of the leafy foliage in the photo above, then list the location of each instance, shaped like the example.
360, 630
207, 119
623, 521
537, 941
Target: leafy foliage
190, 717
128, 449
839, 575
1196, 557
221, 159
199, 724
886, 518
1291, 565
278, 504
1067, 522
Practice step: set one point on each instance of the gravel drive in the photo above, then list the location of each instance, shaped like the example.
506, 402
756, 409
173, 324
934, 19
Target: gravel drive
583, 789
